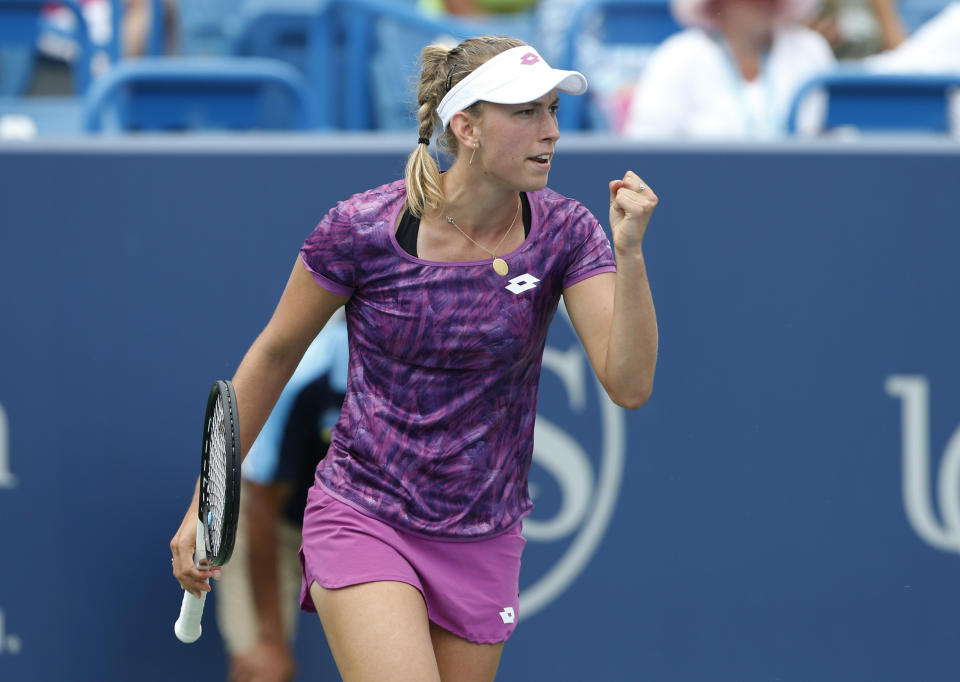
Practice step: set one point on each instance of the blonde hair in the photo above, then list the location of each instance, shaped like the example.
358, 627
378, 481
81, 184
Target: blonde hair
441, 69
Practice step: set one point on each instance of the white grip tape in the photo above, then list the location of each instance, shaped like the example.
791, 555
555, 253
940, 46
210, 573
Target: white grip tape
187, 627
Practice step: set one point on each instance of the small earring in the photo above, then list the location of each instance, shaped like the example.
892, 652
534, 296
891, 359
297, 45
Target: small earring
474, 153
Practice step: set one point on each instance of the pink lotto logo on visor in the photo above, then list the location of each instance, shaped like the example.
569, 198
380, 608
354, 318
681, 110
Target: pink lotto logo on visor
529, 59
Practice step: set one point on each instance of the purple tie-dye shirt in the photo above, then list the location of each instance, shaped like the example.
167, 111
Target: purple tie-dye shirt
436, 432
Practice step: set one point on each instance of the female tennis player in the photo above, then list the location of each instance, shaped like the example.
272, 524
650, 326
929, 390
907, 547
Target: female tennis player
411, 537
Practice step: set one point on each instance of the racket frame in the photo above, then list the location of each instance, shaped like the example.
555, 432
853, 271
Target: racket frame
231, 502
188, 626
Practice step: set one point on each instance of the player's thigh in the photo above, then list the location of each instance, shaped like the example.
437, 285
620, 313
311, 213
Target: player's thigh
377, 632
460, 660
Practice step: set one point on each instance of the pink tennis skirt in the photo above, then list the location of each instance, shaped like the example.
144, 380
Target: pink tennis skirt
470, 588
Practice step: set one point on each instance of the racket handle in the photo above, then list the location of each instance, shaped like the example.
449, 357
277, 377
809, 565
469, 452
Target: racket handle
187, 627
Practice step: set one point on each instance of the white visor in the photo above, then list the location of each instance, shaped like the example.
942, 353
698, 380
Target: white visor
516, 76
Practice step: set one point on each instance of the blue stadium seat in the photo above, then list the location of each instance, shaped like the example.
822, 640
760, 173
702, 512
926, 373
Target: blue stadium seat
281, 30
881, 103
274, 32
200, 93
639, 23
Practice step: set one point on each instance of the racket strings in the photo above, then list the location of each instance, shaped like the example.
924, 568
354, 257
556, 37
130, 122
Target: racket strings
217, 477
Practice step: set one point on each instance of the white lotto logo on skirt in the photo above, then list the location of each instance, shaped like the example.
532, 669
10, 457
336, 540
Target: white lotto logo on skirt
578, 458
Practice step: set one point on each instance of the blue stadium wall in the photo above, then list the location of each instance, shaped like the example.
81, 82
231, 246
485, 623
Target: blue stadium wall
785, 507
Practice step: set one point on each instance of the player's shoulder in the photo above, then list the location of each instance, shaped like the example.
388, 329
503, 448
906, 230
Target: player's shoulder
557, 209
373, 203
552, 198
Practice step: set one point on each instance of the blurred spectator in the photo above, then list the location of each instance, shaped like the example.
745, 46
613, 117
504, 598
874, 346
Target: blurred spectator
137, 23
731, 74
258, 595
860, 28
933, 48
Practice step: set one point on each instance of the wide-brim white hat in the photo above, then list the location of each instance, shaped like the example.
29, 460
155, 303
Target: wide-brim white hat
697, 12
515, 76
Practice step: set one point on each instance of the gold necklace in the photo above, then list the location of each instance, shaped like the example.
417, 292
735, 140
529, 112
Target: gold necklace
499, 265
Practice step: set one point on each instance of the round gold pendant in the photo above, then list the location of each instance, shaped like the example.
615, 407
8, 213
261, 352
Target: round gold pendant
500, 266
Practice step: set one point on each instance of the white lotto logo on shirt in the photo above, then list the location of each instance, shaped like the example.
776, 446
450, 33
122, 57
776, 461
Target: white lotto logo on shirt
7, 479
918, 484
522, 283
578, 458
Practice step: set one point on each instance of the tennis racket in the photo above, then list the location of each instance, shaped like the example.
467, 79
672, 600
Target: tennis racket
219, 499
